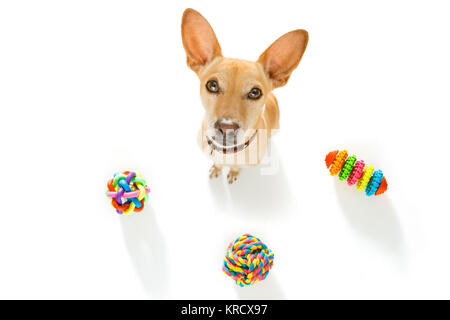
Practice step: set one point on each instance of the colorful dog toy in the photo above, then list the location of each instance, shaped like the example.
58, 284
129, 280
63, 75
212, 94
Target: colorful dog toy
356, 172
128, 192
247, 260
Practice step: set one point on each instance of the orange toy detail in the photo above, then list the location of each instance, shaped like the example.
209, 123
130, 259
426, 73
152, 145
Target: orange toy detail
382, 188
339, 162
331, 157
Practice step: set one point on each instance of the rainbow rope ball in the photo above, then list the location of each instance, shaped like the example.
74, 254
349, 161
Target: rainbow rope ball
128, 192
356, 172
247, 260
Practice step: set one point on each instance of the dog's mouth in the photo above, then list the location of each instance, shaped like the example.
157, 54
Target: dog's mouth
227, 148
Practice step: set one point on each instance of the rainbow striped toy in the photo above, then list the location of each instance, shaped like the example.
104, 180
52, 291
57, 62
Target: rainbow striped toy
247, 260
128, 192
356, 172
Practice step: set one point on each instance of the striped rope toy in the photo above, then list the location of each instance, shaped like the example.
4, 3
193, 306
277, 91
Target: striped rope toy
247, 260
356, 172
128, 192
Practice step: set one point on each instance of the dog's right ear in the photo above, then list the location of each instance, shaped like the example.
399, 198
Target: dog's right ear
199, 40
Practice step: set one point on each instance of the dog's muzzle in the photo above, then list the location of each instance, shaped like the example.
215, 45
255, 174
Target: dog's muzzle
230, 149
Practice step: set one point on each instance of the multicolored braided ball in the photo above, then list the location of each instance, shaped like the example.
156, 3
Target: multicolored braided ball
356, 172
247, 260
128, 192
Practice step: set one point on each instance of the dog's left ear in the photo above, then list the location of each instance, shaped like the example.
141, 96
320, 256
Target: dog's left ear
283, 56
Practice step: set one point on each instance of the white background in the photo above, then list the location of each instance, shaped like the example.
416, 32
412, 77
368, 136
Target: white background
88, 88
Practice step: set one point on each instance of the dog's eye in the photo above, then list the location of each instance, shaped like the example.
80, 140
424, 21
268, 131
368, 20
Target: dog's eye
255, 94
212, 86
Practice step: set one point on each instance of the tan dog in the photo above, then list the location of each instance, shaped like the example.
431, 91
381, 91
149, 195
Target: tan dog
241, 111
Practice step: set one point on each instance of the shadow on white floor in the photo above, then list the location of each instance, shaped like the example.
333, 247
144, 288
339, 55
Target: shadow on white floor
268, 289
375, 218
146, 247
260, 192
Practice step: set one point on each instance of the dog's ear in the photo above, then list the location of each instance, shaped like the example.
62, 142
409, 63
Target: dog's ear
199, 40
283, 56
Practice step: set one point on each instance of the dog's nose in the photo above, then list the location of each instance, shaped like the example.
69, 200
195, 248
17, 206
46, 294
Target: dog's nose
224, 127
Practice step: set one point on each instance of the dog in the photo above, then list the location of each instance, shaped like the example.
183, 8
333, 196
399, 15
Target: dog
241, 112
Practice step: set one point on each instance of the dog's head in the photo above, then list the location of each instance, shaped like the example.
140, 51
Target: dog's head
234, 91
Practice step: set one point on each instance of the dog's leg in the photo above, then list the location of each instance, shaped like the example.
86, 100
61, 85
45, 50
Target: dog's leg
215, 171
233, 174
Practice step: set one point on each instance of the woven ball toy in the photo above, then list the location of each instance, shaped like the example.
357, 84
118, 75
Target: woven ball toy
247, 260
128, 192
356, 172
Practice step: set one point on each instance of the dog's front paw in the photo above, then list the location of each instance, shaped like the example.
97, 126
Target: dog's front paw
232, 175
215, 171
